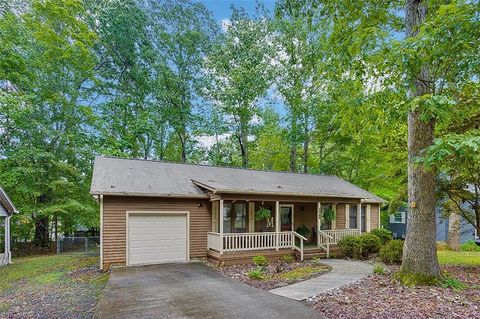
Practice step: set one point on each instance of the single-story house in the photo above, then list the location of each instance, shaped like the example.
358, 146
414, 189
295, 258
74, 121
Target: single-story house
7, 209
157, 212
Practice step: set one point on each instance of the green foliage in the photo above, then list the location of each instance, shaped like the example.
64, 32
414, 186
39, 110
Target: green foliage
303, 272
263, 214
303, 230
256, 274
384, 235
392, 252
379, 269
260, 260
370, 244
329, 214
351, 246
287, 258
470, 246
452, 283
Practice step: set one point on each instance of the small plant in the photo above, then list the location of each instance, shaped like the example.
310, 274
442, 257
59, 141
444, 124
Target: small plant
383, 234
379, 269
303, 230
256, 274
263, 214
333, 256
370, 244
329, 214
260, 261
287, 258
316, 260
392, 252
470, 246
453, 283
442, 245
351, 246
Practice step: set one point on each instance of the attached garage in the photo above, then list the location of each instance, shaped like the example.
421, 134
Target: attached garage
157, 237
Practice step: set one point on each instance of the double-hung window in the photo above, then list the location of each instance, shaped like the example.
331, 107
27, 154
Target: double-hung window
234, 217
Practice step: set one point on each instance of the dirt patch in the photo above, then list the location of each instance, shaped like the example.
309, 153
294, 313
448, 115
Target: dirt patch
276, 274
380, 296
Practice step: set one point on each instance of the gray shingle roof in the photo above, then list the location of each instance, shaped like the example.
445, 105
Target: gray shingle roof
7, 203
156, 178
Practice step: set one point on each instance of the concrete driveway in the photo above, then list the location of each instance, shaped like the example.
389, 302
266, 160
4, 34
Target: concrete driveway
190, 290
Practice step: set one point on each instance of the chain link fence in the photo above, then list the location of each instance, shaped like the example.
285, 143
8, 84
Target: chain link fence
79, 245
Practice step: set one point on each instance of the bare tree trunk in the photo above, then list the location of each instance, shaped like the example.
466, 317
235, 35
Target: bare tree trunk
243, 139
453, 240
293, 144
305, 149
420, 254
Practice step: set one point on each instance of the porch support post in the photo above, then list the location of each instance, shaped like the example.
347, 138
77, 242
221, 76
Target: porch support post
319, 222
7, 239
220, 222
347, 216
277, 224
368, 217
251, 217
334, 222
359, 217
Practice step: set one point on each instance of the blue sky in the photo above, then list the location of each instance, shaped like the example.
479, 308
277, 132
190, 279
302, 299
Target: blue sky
221, 8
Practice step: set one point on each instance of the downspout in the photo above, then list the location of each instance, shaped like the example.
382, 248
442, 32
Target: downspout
101, 232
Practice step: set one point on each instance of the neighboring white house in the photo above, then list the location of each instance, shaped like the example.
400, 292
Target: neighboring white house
6, 211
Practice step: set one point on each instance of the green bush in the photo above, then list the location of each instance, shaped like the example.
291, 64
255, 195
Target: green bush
351, 246
287, 258
379, 269
392, 252
383, 234
470, 246
303, 230
260, 260
370, 244
453, 283
256, 274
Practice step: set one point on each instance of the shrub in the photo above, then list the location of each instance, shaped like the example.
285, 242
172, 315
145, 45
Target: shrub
351, 246
370, 244
256, 274
287, 258
392, 252
383, 234
260, 260
379, 269
303, 230
470, 246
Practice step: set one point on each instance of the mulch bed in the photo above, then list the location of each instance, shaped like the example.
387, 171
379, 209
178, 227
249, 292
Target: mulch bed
380, 296
273, 272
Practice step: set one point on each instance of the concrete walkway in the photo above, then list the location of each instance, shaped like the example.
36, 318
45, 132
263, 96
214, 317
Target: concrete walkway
343, 273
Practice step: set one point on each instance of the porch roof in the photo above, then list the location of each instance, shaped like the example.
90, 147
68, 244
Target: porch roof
6, 205
115, 176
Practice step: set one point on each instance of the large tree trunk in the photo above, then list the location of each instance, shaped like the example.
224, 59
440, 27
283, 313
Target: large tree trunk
420, 254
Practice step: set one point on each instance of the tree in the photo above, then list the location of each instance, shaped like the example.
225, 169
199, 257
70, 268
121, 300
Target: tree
239, 74
420, 253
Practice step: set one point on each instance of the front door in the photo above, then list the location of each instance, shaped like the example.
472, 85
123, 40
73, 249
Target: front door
286, 217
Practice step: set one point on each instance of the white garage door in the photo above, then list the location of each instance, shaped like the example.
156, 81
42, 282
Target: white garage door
156, 238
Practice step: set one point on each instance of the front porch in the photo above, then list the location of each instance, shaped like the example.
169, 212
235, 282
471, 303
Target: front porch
295, 227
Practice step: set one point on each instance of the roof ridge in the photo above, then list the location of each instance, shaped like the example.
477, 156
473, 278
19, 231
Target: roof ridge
217, 166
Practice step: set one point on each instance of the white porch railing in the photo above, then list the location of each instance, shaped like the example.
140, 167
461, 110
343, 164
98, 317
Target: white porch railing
335, 235
253, 241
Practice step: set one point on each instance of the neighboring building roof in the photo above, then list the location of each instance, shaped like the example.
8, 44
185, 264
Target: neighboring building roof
6, 203
116, 176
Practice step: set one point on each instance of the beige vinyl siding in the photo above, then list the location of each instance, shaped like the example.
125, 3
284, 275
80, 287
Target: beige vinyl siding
114, 222
340, 216
374, 211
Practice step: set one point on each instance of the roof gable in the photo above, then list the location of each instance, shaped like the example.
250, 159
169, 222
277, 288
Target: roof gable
6, 204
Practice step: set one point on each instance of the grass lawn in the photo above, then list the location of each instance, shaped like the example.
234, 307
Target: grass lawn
466, 258
54, 286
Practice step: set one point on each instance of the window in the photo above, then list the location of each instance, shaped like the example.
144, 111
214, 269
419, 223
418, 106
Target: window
234, 218
364, 218
324, 225
353, 217
397, 218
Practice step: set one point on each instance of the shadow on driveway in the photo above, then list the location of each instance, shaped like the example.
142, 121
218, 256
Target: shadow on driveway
190, 290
